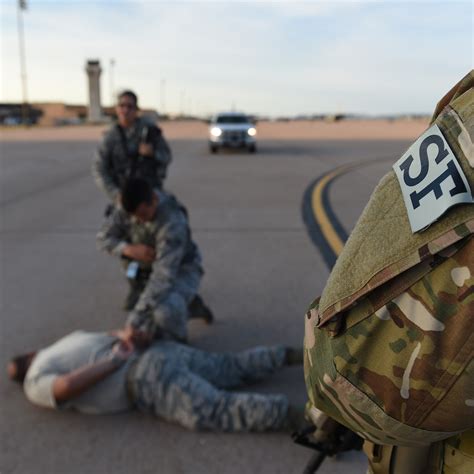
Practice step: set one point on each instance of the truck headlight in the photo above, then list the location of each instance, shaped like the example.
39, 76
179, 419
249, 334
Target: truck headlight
252, 131
216, 132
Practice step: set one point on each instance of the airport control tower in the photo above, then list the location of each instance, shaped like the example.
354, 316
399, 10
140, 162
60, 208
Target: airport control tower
93, 70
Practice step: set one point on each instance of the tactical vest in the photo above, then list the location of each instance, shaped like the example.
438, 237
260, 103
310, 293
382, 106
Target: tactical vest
389, 345
127, 163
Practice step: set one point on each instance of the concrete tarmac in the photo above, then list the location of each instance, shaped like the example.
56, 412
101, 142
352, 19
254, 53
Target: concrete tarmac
262, 271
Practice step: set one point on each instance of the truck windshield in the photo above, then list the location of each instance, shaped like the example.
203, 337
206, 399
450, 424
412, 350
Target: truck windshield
232, 119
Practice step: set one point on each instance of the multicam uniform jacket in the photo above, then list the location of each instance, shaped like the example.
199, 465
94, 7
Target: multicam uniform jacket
168, 234
389, 345
113, 165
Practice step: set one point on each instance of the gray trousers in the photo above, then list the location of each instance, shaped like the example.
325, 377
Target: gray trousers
188, 386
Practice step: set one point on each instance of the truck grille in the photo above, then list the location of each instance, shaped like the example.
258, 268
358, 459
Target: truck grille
231, 135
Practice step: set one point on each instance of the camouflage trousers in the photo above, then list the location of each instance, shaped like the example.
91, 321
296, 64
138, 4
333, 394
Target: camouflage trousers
188, 386
168, 313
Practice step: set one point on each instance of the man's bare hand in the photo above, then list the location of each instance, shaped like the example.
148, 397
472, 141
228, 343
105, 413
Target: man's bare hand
125, 334
122, 350
145, 149
140, 252
132, 336
141, 339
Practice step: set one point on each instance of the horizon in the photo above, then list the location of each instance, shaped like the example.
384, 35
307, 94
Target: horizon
268, 59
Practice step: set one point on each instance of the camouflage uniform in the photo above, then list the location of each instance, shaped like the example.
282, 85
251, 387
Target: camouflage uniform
186, 385
389, 345
172, 280
113, 165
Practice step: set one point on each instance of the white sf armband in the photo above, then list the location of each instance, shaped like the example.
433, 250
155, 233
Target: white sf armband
431, 179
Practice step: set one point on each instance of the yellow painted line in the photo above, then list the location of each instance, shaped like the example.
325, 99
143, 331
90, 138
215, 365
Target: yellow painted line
319, 211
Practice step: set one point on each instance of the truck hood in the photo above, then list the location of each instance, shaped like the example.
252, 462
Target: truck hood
231, 127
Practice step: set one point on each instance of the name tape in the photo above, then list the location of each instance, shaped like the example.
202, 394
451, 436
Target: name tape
431, 179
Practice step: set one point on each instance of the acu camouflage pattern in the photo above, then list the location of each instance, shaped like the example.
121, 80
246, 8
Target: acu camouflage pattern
167, 314
391, 354
112, 165
188, 386
172, 280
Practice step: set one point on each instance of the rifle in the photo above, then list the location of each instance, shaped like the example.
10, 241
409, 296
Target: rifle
328, 438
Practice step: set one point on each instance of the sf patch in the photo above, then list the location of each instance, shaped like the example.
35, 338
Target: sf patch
431, 179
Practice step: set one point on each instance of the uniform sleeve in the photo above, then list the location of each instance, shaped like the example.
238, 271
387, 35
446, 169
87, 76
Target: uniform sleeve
39, 390
102, 168
114, 234
170, 249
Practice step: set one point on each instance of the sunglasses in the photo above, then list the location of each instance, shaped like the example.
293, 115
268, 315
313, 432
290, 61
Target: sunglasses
125, 105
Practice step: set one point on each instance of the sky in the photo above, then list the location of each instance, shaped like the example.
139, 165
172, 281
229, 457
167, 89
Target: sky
281, 58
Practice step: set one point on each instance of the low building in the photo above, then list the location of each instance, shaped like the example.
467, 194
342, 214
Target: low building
50, 114
18, 113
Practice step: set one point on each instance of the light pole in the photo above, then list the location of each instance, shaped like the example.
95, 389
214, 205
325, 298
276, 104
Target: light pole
21, 38
181, 101
162, 96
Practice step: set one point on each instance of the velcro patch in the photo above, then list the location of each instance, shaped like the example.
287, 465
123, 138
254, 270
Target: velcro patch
431, 179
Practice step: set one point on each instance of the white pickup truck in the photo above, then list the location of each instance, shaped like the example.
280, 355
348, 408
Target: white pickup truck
233, 130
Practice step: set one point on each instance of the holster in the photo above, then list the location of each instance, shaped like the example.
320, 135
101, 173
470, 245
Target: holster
386, 459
